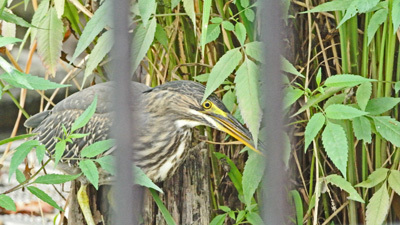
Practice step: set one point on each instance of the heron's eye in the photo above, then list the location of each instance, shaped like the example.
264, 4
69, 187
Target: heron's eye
207, 104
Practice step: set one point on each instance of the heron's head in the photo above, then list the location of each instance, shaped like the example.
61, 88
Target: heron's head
181, 101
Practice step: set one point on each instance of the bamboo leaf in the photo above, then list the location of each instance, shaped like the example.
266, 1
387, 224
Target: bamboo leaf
315, 124
97, 148
43, 196
204, 27
340, 182
342, 112
389, 128
336, 5
246, 81
7, 203
378, 207
346, 80
377, 106
375, 22
394, 180
146, 8
19, 137
11, 18
49, 40
142, 40
222, 69
375, 178
252, 175
84, 118
363, 94
8, 40
22, 80
55, 178
362, 129
20, 154
90, 171
335, 144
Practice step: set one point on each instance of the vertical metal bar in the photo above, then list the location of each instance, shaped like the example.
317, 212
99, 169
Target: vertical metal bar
123, 125
274, 195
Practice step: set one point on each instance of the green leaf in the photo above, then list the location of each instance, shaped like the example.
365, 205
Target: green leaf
234, 174
40, 151
107, 163
7, 203
246, 81
188, 5
342, 112
216, 20
336, 5
44, 197
362, 129
166, 215
291, 96
218, 220
174, 3
336, 99
96, 24
8, 40
229, 100
363, 94
378, 207
252, 175
142, 40
213, 32
228, 26
244, 3
240, 216
375, 22
345, 80
255, 50
84, 118
254, 218
298, 206
146, 8
11, 18
315, 124
389, 128
397, 87
202, 77
375, 178
394, 180
59, 151
161, 36
20, 176
314, 100
335, 144
103, 46
289, 68
204, 26
222, 69
249, 13
20, 154
37, 18
49, 40
340, 182
19, 137
59, 6
89, 169
55, 178
22, 80
97, 148
142, 179
240, 32
224, 208
318, 77
396, 19
377, 106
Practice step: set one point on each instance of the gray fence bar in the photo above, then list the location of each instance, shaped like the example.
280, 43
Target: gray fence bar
275, 206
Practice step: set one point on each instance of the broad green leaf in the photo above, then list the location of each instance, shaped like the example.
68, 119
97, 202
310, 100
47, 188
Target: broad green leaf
378, 207
229, 100
166, 215
55, 178
11, 18
240, 216
377, 106
358, 6
254, 218
298, 203
22, 80
291, 96
252, 175
20, 176
222, 69
345, 80
19, 137
216, 20
7, 203
228, 26
394, 180
161, 36
389, 128
37, 18
395, 17
97, 148
71, 13
255, 50
246, 81
213, 32
84, 118
59, 6
43, 196
342, 112
336, 99
142, 40
100, 19
362, 129
188, 5
142, 179
107, 163
59, 151
288, 67
49, 40
224, 208
335, 144
315, 124
375, 178
249, 13
8, 40
204, 26
363, 94
375, 22
318, 77
20, 154
103, 46
397, 87
174, 3
89, 169
344, 185
240, 32
146, 8
244, 3
202, 77
328, 92
40, 151
336, 5
218, 220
